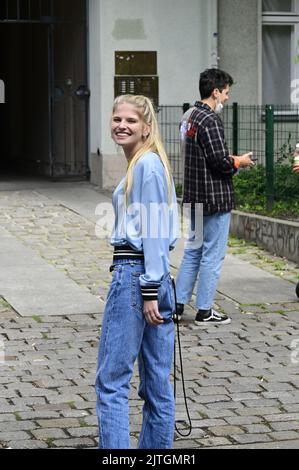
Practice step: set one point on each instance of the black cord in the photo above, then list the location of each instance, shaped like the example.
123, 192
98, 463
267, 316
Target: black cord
182, 371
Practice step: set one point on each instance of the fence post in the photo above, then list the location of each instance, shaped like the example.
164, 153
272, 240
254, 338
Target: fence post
186, 106
235, 129
270, 156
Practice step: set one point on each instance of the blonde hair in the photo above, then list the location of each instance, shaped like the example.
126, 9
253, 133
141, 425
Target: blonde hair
152, 143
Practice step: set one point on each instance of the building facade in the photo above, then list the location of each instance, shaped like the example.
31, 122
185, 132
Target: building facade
62, 63
176, 38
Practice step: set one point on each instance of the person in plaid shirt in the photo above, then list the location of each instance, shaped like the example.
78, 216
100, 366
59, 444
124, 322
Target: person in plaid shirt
208, 187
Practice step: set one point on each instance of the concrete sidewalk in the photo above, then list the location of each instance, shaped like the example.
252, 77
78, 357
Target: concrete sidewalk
242, 379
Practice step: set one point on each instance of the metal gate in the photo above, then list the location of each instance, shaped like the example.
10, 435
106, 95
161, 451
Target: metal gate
65, 24
26, 10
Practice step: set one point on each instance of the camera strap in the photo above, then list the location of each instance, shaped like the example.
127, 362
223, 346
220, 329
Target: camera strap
182, 432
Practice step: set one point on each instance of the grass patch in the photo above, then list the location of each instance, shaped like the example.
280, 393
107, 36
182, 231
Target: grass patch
4, 304
17, 416
37, 318
72, 405
203, 415
83, 423
49, 441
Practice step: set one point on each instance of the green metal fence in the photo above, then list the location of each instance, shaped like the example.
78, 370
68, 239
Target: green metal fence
248, 128
270, 132
169, 118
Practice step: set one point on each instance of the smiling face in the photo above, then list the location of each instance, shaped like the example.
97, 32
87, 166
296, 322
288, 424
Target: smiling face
128, 129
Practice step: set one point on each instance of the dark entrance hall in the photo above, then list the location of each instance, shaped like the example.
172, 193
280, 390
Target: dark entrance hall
43, 63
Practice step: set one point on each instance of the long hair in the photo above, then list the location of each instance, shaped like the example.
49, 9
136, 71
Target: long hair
152, 143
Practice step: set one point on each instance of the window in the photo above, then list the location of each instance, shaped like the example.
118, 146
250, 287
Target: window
280, 50
136, 74
277, 5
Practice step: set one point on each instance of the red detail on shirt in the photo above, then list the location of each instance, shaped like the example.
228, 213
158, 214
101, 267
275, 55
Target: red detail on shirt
191, 131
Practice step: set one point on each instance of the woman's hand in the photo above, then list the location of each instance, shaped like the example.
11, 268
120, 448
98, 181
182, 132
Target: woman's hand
151, 313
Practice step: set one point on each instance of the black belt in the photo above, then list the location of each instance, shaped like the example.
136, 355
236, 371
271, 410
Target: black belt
126, 252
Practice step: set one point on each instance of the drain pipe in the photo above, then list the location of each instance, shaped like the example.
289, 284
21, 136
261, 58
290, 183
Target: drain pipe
213, 15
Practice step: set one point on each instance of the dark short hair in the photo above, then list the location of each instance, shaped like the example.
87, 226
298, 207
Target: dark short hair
211, 79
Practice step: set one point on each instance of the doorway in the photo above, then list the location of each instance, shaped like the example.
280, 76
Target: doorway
43, 63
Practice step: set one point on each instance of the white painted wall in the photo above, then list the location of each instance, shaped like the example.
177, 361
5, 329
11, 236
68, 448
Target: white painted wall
95, 80
240, 47
180, 31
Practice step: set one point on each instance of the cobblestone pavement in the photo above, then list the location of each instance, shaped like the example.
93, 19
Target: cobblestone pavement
242, 379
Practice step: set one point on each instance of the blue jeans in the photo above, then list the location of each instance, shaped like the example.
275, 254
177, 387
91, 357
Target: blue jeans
125, 337
204, 263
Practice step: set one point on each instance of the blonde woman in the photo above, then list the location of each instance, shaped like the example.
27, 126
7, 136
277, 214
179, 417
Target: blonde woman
138, 318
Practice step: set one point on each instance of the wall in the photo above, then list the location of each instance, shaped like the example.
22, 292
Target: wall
239, 24
277, 236
180, 32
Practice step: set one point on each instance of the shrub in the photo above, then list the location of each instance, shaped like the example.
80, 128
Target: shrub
250, 190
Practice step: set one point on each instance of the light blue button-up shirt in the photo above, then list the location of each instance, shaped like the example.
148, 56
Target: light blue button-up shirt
147, 222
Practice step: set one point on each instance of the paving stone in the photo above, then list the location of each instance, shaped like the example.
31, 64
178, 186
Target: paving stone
285, 426
293, 444
37, 414
18, 426
217, 413
47, 433
239, 379
213, 442
284, 435
230, 405
71, 443
13, 436
244, 397
207, 423
270, 411
58, 423
251, 438
257, 428
185, 444
29, 444
282, 417
225, 430
84, 432
244, 420
6, 418
291, 408
258, 401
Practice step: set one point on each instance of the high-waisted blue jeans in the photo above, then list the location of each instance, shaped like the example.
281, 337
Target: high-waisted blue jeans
126, 336
204, 263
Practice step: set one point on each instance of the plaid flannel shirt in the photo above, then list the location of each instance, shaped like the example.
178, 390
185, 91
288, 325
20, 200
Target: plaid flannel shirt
208, 166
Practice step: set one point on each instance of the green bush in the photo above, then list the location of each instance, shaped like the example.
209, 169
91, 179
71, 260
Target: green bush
179, 190
250, 190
